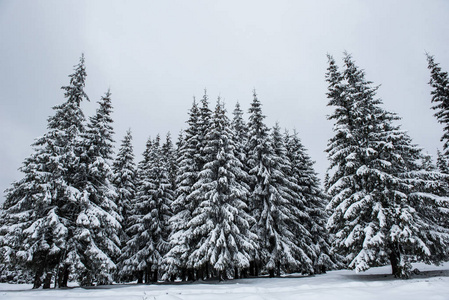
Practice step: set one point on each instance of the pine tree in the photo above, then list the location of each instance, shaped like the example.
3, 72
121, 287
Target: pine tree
169, 155
157, 219
223, 244
188, 162
134, 259
42, 207
98, 222
258, 150
383, 203
311, 201
124, 180
293, 248
239, 127
272, 197
439, 81
442, 163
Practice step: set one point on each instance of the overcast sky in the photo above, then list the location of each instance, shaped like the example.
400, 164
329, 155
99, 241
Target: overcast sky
156, 55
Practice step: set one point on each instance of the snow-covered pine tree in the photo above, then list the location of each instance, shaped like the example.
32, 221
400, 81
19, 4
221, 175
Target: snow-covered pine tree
439, 81
240, 132
442, 163
133, 262
124, 181
203, 126
42, 207
98, 222
188, 162
239, 127
157, 220
258, 149
223, 244
384, 206
271, 200
169, 156
290, 242
310, 201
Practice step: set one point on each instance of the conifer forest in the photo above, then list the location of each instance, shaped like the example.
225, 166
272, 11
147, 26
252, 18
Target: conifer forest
227, 197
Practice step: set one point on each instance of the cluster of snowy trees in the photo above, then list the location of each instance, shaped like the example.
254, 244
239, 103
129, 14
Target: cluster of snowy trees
233, 198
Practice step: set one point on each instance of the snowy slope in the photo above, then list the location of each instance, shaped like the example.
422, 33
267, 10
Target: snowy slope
431, 284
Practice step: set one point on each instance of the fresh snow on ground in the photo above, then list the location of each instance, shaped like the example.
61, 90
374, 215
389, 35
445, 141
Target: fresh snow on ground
431, 284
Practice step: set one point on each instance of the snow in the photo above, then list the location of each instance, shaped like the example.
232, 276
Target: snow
431, 284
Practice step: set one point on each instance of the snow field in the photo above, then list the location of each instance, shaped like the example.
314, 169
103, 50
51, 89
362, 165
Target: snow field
431, 284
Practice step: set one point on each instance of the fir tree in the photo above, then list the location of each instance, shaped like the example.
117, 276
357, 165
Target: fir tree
98, 222
272, 201
220, 223
383, 203
124, 180
157, 219
311, 202
439, 81
42, 207
134, 260
293, 248
258, 150
188, 162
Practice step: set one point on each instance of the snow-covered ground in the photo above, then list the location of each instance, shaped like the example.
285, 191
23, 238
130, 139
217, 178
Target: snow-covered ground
432, 283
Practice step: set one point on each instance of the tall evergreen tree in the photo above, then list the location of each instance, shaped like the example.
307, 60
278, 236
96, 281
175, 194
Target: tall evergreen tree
134, 259
439, 81
188, 162
272, 197
294, 249
98, 222
157, 219
383, 203
124, 180
223, 244
311, 201
258, 150
42, 207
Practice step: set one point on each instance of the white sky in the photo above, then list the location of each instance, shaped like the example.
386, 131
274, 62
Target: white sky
156, 55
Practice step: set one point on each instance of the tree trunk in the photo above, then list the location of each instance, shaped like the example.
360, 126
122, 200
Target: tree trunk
244, 273
65, 278
236, 273
37, 278
251, 268
155, 277
271, 271
140, 277
191, 275
395, 258
47, 281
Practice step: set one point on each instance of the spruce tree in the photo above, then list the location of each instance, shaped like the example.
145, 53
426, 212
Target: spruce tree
223, 244
311, 201
439, 81
157, 220
42, 207
124, 180
293, 249
134, 259
383, 204
258, 150
98, 222
188, 162
272, 201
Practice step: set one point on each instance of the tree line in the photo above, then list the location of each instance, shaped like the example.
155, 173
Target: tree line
231, 199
